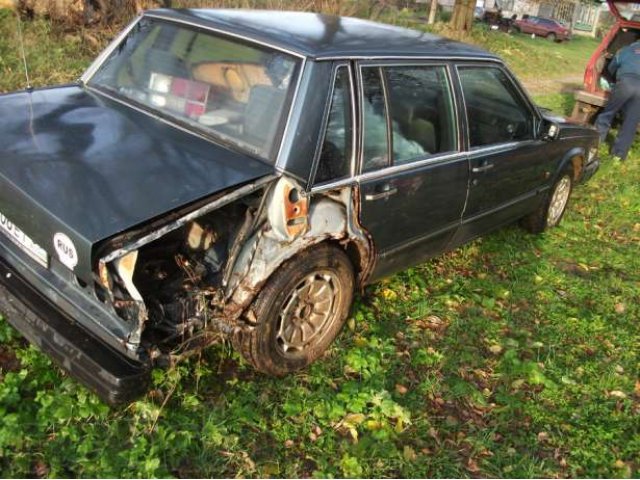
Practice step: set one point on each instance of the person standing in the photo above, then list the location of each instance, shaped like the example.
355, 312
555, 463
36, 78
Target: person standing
625, 97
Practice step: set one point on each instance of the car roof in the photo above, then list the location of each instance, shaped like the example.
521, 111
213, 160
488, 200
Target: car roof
319, 36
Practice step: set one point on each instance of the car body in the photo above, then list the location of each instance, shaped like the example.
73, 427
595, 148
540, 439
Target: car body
543, 27
243, 173
595, 91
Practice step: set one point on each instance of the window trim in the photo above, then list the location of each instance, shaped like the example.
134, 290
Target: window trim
518, 91
325, 123
361, 123
419, 161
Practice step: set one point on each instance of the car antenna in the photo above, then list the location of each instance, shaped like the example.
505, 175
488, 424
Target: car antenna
24, 56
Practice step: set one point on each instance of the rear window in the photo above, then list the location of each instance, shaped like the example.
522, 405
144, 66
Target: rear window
237, 91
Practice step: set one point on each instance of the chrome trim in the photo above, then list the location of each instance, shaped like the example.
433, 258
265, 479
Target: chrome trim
370, 197
354, 125
325, 187
345, 56
483, 168
454, 105
223, 32
279, 160
497, 148
393, 169
389, 119
97, 63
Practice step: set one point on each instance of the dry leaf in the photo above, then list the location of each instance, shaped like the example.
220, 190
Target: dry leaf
409, 454
543, 437
472, 466
401, 389
617, 394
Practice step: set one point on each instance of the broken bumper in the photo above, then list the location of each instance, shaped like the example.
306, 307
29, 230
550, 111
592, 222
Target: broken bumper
53, 325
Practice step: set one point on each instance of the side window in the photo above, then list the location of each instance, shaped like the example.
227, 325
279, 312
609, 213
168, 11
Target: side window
375, 153
335, 158
496, 112
422, 112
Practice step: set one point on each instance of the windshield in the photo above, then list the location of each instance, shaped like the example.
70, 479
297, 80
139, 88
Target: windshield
237, 91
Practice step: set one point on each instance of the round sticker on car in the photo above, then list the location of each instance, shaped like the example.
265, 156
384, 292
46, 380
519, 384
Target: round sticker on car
66, 250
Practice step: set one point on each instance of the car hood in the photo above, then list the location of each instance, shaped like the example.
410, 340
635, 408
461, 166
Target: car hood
75, 162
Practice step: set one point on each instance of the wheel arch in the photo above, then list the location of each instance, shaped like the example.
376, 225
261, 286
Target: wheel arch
331, 219
573, 161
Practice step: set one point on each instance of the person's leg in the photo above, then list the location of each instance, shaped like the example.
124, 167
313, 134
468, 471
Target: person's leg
617, 100
629, 127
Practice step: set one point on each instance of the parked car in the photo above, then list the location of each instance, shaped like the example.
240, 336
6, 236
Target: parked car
245, 173
597, 81
543, 27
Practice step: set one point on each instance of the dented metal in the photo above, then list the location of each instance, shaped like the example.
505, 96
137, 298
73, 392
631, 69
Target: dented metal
213, 297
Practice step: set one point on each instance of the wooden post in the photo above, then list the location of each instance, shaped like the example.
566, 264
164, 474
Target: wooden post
462, 20
433, 11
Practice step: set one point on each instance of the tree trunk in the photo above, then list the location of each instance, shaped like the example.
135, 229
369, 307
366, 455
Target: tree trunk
433, 11
462, 19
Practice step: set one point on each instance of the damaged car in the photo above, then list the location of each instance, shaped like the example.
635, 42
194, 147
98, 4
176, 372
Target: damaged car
242, 174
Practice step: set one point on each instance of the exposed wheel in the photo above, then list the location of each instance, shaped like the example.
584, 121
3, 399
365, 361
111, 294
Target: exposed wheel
551, 37
299, 311
552, 209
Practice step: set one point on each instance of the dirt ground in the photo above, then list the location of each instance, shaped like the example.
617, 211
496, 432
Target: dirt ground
543, 86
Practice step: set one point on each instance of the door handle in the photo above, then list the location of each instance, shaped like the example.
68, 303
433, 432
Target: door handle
483, 168
386, 193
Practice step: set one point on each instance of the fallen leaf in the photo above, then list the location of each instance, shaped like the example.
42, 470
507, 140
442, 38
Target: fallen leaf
619, 369
617, 394
472, 466
495, 349
409, 454
620, 308
543, 437
401, 389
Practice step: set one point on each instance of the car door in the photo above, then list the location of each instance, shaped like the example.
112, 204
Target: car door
510, 166
413, 176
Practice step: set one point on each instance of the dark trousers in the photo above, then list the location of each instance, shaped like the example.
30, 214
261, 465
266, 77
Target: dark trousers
625, 97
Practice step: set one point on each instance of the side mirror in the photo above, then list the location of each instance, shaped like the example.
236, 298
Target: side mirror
550, 131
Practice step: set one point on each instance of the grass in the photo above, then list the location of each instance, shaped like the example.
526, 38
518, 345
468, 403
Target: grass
514, 356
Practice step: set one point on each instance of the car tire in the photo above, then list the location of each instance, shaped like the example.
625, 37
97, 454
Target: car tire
552, 37
285, 311
550, 212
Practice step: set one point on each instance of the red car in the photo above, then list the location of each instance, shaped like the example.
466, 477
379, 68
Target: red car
543, 27
593, 96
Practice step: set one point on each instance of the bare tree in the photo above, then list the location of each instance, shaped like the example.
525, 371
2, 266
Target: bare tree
462, 19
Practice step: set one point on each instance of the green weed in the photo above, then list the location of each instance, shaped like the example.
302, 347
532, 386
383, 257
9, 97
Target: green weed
514, 356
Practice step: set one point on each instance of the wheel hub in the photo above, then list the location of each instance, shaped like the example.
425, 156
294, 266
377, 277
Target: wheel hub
308, 309
559, 201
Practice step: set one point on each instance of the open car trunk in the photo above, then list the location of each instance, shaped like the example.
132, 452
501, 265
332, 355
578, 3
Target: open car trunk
597, 80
